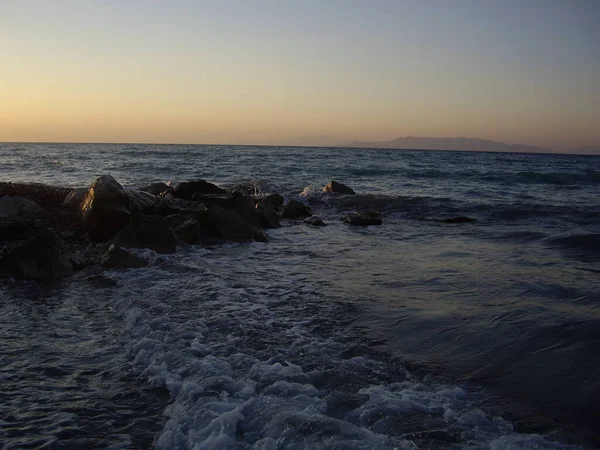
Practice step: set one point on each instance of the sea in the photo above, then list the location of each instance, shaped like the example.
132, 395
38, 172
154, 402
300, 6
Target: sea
416, 334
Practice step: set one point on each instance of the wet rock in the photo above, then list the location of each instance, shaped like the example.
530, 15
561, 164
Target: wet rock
241, 205
363, 219
223, 224
74, 199
188, 189
172, 206
338, 188
247, 189
142, 202
314, 221
275, 199
188, 231
267, 214
17, 206
41, 258
105, 209
119, 258
157, 188
146, 232
295, 210
460, 219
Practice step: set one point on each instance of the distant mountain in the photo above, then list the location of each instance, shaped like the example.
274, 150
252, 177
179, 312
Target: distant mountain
460, 143
312, 141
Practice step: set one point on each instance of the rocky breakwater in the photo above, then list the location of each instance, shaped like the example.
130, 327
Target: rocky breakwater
51, 232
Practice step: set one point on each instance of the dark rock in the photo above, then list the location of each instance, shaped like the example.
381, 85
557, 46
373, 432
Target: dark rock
295, 210
41, 258
249, 188
176, 220
460, 219
119, 258
363, 219
17, 206
105, 209
157, 188
188, 232
241, 205
187, 189
267, 214
171, 206
223, 224
102, 280
74, 199
275, 199
338, 188
142, 202
146, 232
314, 221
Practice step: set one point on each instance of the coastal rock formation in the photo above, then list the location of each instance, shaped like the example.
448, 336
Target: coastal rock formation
314, 221
275, 199
105, 209
223, 224
363, 219
171, 206
336, 187
187, 189
142, 202
242, 205
296, 210
267, 214
185, 227
119, 258
146, 232
157, 188
17, 206
41, 258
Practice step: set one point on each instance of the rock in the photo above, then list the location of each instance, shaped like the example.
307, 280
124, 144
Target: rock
221, 223
74, 199
241, 205
295, 210
41, 258
187, 189
157, 188
338, 188
249, 188
314, 221
275, 199
119, 258
267, 214
17, 206
188, 232
105, 209
460, 219
101, 280
142, 202
363, 219
175, 220
172, 206
146, 232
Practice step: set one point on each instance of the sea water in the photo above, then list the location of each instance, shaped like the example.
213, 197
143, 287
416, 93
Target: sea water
413, 334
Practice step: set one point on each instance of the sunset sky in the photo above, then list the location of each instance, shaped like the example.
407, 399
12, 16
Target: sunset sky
269, 72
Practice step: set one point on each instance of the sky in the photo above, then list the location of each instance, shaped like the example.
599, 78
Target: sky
279, 71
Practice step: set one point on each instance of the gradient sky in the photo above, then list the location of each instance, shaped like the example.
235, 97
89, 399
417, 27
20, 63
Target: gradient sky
268, 71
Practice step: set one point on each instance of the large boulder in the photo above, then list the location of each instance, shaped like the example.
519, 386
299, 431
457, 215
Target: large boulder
142, 202
336, 187
296, 210
275, 199
223, 224
157, 188
187, 189
171, 206
119, 258
269, 218
105, 209
17, 206
242, 205
41, 258
185, 227
363, 219
146, 232
75, 198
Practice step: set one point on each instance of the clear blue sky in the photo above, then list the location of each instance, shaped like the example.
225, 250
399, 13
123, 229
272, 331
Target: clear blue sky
267, 71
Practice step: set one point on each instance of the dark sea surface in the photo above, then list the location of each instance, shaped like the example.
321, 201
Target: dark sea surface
413, 334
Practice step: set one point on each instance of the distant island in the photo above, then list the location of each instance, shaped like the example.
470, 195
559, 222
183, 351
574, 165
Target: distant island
460, 143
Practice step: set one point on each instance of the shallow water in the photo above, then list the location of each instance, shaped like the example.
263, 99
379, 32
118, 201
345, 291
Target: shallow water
415, 334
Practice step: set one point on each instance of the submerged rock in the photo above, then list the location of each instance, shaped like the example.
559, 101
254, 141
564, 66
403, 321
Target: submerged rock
221, 223
188, 189
338, 188
296, 210
41, 258
460, 219
363, 219
105, 209
314, 221
119, 258
146, 232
